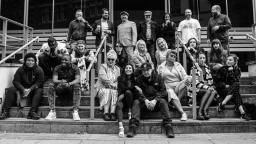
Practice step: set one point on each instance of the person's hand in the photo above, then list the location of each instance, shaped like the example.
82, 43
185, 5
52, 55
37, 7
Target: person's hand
152, 104
215, 28
230, 68
121, 97
147, 103
26, 92
66, 84
227, 86
138, 89
187, 82
107, 31
97, 30
211, 88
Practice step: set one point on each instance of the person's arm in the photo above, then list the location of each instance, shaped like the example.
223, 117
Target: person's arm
161, 93
55, 77
103, 75
209, 31
117, 36
227, 24
134, 34
91, 56
200, 84
198, 31
157, 58
94, 26
77, 77
17, 80
70, 31
40, 79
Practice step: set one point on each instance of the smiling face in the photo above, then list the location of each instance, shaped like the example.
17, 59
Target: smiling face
192, 43
65, 60
188, 13
167, 17
161, 44
128, 70
230, 61
141, 47
30, 62
111, 61
79, 15
216, 46
201, 59
81, 48
105, 14
124, 17
147, 73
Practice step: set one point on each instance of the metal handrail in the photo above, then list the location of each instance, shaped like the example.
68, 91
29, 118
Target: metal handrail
193, 77
16, 23
18, 50
251, 37
97, 52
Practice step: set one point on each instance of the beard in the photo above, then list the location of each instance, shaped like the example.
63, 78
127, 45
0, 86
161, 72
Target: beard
214, 15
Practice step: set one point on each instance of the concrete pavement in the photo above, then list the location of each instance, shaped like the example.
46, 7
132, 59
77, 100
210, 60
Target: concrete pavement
42, 138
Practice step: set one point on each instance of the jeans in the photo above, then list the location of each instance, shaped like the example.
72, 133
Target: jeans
129, 51
161, 105
127, 101
61, 91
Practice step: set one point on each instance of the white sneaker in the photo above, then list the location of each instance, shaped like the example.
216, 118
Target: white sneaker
121, 132
184, 117
76, 115
51, 115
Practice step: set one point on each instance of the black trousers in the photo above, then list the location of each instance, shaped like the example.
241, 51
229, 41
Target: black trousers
151, 50
126, 102
34, 98
161, 105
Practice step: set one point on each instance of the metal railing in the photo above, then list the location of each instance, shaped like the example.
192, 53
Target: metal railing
18, 50
90, 73
27, 34
194, 111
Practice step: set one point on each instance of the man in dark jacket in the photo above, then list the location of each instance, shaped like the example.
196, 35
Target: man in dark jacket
148, 31
153, 96
103, 26
218, 27
27, 82
78, 29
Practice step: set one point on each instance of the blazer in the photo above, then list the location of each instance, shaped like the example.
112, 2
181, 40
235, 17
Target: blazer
127, 34
142, 29
98, 35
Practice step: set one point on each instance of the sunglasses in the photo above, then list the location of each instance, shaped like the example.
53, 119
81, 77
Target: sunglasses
109, 59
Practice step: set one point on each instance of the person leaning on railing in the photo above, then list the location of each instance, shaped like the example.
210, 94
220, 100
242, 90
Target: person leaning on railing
204, 87
175, 79
82, 57
107, 86
27, 82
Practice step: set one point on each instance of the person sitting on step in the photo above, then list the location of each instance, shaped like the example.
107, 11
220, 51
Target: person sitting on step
204, 87
228, 87
82, 58
27, 82
152, 96
127, 92
66, 83
107, 86
175, 80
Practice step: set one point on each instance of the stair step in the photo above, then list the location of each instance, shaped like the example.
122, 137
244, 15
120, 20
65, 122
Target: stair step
98, 126
84, 112
85, 100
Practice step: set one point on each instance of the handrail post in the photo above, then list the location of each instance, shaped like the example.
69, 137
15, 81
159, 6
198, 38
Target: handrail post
194, 93
93, 93
4, 41
105, 51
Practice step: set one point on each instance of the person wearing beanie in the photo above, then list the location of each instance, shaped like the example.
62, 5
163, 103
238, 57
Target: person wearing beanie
107, 86
27, 82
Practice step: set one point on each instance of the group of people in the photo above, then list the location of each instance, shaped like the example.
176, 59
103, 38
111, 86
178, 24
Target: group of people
141, 73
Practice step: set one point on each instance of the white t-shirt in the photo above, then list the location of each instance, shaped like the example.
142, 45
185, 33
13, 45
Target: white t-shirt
188, 29
59, 50
104, 25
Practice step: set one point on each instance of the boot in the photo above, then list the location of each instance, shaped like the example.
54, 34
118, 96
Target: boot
132, 131
4, 115
33, 115
169, 131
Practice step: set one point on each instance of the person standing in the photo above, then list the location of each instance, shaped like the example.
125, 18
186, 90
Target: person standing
78, 29
167, 31
189, 28
218, 26
148, 31
127, 35
103, 26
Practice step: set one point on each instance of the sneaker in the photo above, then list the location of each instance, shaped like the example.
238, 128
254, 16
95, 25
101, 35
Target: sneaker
131, 132
221, 107
4, 115
129, 115
184, 117
76, 115
245, 117
51, 115
121, 132
33, 115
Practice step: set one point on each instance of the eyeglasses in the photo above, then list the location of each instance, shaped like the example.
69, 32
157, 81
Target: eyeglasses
147, 15
109, 59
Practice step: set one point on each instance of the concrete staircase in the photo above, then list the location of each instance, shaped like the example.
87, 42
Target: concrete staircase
227, 121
